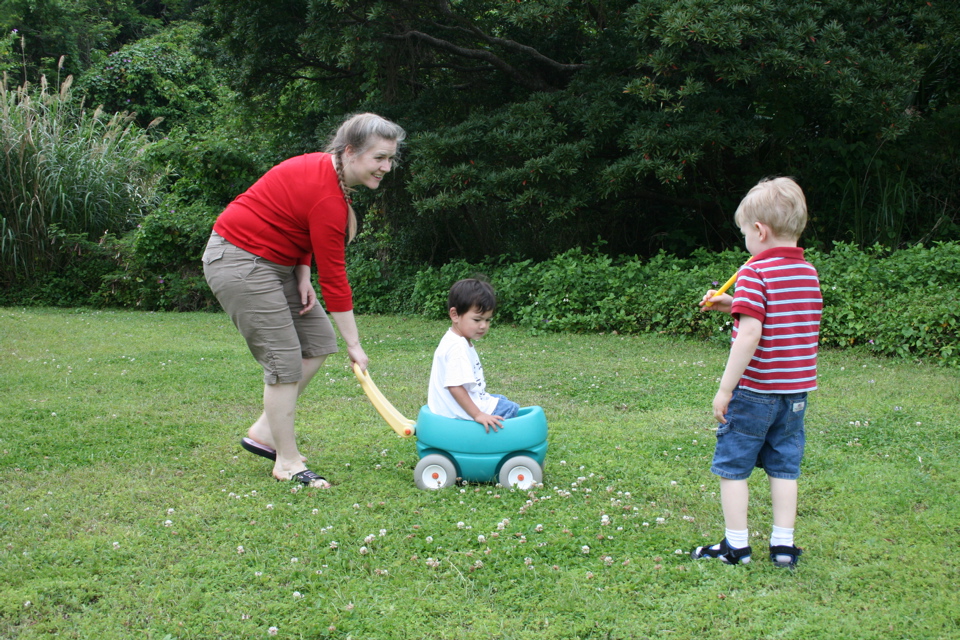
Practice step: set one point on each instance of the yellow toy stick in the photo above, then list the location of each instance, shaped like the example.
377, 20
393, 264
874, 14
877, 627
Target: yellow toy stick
726, 285
394, 418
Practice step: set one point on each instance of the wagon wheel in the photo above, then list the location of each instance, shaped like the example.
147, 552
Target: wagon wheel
434, 471
522, 472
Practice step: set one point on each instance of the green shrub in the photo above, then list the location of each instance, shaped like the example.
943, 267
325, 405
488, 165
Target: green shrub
160, 267
83, 265
380, 283
894, 303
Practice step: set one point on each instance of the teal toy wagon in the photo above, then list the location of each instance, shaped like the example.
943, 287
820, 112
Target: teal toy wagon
452, 450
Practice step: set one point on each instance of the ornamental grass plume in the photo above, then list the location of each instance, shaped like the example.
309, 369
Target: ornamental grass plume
66, 173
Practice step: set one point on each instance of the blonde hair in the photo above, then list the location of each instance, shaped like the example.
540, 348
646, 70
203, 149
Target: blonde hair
778, 203
358, 132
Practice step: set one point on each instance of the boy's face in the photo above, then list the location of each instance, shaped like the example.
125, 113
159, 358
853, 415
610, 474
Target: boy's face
471, 325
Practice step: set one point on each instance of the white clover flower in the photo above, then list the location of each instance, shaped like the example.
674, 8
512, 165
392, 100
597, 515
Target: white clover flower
272, 631
661, 520
369, 539
316, 511
585, 549
460, 525
168, 523
294, 560
604, 520
116, 545
364, 551
258, 573
481, 538
429, 539
538, 528
383, 532
297, 595
240, 549
269, 506
169, 512
334, 545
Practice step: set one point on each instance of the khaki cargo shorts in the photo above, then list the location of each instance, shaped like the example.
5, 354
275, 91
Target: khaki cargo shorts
261, 298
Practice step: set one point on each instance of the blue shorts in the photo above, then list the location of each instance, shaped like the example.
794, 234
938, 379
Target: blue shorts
763, 430
506, 409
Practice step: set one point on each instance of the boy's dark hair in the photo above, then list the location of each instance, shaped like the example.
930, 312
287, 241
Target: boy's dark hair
469, 293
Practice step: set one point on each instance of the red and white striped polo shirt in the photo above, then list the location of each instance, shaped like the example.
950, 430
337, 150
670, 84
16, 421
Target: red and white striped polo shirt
781, 290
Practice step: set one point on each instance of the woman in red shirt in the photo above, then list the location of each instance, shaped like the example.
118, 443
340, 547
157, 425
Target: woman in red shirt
257, 263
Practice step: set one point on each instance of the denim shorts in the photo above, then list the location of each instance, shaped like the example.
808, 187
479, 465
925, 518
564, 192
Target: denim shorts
262, 299
506, 409
763, 430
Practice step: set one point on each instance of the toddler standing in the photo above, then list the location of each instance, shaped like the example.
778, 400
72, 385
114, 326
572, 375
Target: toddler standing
772, 365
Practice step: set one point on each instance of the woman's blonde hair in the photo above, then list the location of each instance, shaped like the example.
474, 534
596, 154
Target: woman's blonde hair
778, 203
358, 132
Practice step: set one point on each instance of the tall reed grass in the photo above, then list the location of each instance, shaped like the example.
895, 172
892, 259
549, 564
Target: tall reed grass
65, 170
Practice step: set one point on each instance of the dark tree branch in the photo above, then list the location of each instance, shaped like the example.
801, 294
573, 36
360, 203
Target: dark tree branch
531, 82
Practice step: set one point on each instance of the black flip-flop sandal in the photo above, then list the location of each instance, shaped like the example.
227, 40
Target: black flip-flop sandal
258, 449
307, 478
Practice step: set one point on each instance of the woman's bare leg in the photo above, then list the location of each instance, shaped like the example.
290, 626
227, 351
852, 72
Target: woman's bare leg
260, 431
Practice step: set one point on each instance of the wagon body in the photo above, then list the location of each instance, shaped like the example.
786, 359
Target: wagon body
477, 455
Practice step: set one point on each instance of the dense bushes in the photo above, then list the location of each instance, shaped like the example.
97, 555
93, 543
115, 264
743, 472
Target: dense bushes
892, 303
897, 303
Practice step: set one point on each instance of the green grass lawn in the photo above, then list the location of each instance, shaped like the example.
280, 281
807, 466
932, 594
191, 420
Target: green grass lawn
129, 510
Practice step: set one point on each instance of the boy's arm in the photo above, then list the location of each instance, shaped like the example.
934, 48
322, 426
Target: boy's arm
488, 421
741, 352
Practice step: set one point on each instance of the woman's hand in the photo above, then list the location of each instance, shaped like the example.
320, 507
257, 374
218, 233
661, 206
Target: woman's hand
308, 295
358, 356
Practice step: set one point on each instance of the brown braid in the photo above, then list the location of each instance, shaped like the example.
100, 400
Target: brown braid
351, 216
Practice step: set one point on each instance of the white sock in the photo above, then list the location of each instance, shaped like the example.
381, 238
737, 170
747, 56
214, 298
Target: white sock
738, 539
781, 537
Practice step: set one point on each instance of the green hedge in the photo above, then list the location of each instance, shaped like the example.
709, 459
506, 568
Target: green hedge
893, 303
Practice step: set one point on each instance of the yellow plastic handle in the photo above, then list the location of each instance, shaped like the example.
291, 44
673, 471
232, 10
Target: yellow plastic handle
403, 426
721, 290
726, 285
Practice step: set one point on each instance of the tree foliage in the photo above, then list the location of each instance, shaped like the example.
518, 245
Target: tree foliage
545, 124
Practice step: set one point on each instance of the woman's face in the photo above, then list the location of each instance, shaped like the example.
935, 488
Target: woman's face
369, 167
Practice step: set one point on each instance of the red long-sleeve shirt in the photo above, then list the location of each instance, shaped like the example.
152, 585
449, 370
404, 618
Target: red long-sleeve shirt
295, 211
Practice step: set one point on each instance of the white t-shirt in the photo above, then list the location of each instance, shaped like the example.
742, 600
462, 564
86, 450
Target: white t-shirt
456, 363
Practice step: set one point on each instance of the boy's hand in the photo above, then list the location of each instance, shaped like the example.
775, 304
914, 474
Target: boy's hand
723, 303
721, 402
489, 422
